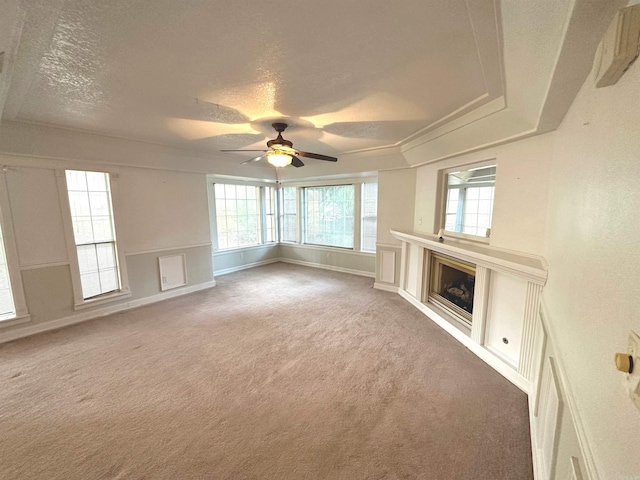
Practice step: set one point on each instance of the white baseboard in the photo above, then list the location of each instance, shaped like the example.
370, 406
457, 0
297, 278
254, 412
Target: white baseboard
245, 266
497, 364
386, 287
32, 329
328, 267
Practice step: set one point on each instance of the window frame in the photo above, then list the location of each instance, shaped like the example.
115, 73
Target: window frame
362, 216
300, 221
13, 261
79, 302
441, 212
281, 214
260, 209
213, 217
265, 212
356, 212
357, 227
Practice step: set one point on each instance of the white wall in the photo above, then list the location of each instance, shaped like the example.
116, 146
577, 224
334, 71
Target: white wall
522, 178
396, 197
162, 210
38, 227
592, 248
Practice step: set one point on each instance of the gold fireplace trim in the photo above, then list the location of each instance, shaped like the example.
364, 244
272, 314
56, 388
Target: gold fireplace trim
434, 273
465, 267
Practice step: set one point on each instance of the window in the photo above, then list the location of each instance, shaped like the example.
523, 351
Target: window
329, 215
369, 209
269, 215
7, 306
469, 202
343, 216
288, 215
94, 232
237, 215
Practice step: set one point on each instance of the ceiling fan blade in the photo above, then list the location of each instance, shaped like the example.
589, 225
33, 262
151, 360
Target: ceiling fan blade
256, 159
296, 162
317, 156
243, 150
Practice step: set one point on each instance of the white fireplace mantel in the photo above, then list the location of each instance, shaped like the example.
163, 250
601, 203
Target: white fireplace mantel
508, 287
529, 267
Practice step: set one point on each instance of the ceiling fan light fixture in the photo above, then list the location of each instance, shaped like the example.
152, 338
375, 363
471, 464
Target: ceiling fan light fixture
279, 159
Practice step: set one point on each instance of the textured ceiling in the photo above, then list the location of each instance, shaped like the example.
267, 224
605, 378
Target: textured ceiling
211, 75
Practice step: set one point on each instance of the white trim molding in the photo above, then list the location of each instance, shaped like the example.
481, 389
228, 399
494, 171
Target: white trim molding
11, 253
79, 301
36, 266
100, 312
245, 266
524, 266
167, 249
385, 287
361, 273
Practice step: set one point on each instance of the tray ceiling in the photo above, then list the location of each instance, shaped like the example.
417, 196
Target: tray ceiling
378, 84
346, 76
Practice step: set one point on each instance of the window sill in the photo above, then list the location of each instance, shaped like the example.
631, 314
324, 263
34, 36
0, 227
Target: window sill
244, 249
324, 248
466, 237
112, 297
12, 321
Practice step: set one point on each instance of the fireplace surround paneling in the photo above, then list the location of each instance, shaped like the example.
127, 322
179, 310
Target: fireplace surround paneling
505, 303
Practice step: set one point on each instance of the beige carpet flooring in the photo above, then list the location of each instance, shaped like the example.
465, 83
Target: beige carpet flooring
279, 372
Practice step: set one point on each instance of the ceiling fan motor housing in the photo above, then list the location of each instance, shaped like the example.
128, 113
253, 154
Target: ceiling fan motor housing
279, 141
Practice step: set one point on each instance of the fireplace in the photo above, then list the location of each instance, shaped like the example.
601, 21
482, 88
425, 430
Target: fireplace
451, 286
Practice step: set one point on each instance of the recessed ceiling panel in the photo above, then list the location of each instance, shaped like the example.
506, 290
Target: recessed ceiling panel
211, 74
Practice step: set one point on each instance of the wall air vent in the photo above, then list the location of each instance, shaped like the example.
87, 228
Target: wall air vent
618, 48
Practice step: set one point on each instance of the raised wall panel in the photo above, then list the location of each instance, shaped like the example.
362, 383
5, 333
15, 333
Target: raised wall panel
548, 426
505, 315
413, 252
388, 266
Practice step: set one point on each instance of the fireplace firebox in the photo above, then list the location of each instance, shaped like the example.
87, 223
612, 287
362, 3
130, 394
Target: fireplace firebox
451, 286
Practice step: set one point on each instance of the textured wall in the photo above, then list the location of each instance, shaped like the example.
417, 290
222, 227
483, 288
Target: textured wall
592, 240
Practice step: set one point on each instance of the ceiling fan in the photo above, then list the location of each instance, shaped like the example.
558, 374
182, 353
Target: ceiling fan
280, 152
